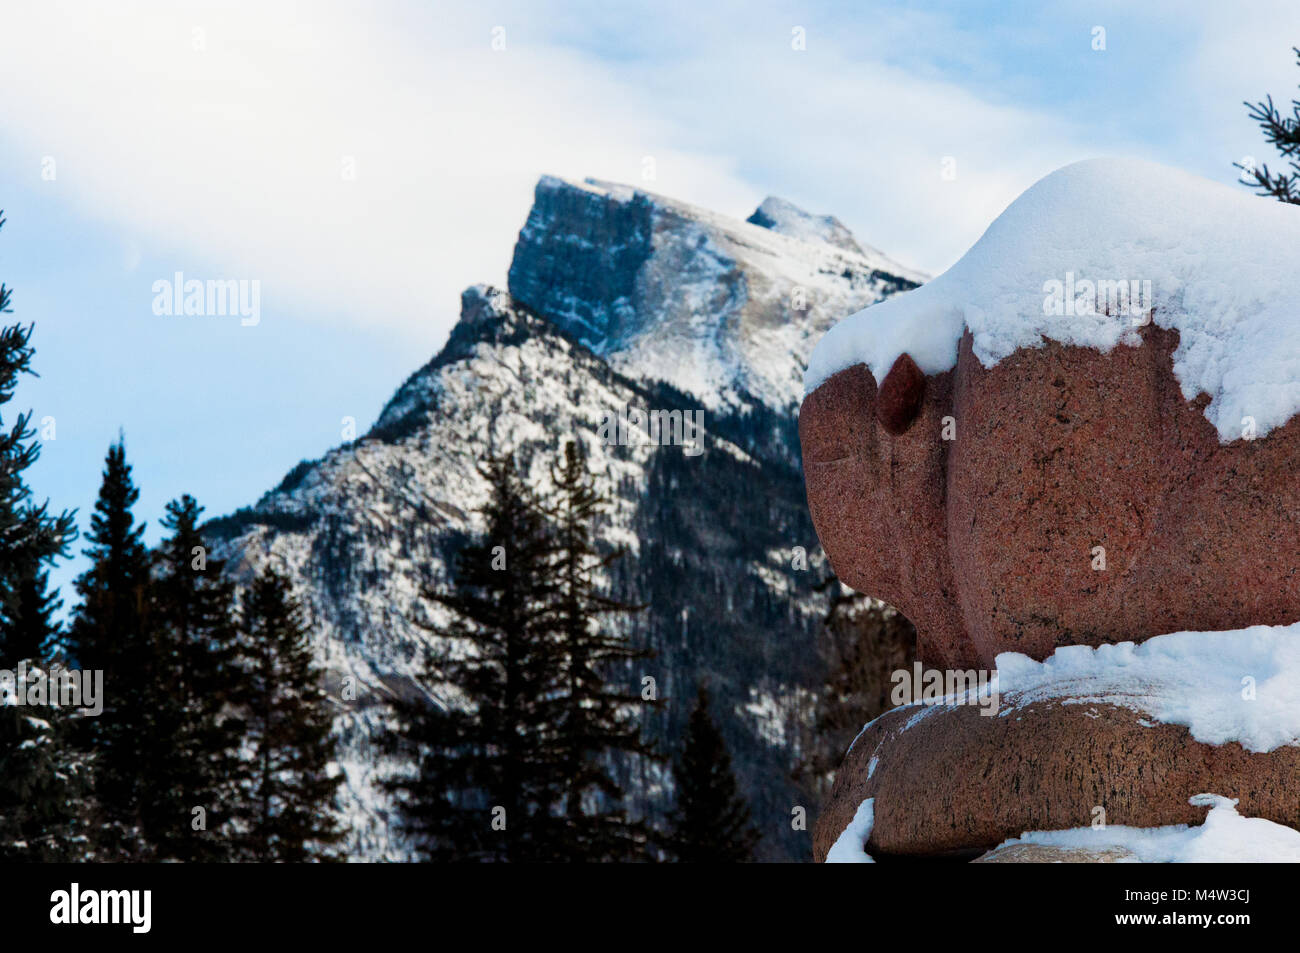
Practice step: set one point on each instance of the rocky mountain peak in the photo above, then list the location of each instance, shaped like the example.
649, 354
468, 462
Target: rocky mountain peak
786, 218
720, 308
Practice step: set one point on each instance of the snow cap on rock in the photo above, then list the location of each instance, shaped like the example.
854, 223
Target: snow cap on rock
1219, 264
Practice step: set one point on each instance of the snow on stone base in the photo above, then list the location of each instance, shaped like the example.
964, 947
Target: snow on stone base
1225, 837
1242, 685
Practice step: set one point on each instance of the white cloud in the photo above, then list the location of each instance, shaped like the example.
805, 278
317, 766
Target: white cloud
231, 155
227, 158
1238, 58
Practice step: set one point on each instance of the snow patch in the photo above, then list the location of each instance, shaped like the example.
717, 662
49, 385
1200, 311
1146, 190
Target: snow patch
851, 846
1224, 837
1242, 685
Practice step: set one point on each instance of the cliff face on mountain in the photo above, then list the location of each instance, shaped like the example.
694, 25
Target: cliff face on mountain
616, 299
727, 311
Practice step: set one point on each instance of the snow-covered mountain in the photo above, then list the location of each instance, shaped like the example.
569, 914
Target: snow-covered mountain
787, 218
617, 298
725, 310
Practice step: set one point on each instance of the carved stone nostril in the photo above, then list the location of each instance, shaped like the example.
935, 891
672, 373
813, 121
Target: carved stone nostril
899, 398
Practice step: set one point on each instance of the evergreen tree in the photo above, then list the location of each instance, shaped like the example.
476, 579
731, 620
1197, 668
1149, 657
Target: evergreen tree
30, 536
108, 630
43, 783
593, 719
111, 632
288, 808
45, 786
195, 738
711, 822
31, 631
484, 777
1284, 136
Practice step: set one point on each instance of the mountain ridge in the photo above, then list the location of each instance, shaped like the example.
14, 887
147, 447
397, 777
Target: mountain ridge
715, 305
363, 530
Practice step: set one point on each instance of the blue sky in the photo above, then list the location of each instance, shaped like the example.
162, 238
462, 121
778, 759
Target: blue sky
211, 139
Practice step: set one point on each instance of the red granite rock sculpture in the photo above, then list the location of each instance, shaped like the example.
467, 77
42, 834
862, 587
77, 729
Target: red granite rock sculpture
1062, 496
956, 783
